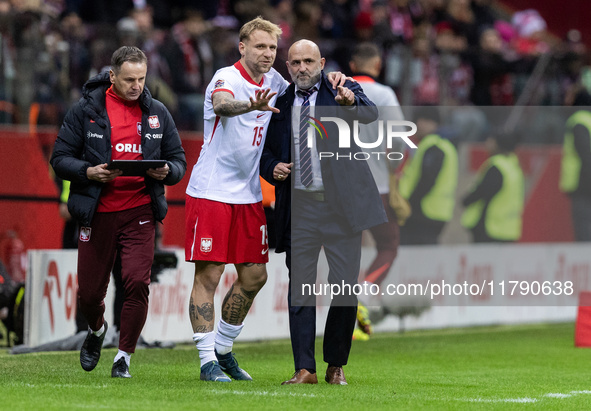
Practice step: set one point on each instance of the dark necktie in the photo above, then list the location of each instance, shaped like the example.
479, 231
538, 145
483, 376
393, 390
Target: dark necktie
306, 175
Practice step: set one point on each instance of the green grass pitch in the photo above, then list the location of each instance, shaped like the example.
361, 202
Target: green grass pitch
490, 368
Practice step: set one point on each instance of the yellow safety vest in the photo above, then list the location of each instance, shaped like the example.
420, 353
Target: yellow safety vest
503, 219
570, 170
65, 194
437, 204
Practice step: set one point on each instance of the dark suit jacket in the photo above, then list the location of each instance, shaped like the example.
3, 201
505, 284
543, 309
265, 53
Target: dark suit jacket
349, 185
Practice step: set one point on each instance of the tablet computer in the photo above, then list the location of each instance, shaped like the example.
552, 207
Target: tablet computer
135, 167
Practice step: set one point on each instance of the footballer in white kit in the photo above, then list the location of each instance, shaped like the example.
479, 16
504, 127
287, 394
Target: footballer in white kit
227, 175
225, 221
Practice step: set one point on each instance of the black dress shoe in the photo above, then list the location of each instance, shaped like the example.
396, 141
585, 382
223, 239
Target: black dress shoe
120, 369
91, 349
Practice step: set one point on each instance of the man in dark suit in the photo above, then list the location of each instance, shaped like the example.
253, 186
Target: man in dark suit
321, 201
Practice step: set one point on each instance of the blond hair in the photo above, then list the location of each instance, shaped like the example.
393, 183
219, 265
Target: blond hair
259, 24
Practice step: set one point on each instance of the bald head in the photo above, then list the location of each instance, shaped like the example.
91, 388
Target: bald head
304, 63
304, 46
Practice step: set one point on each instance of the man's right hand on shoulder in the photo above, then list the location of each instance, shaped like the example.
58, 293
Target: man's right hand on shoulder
101, 174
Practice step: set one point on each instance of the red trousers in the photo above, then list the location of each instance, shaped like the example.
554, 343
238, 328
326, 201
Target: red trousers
387, 238
131, 234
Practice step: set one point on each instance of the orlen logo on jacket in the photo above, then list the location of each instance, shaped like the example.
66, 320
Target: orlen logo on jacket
128, 148
153, 122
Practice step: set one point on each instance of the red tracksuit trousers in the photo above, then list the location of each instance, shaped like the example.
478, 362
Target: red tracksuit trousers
131, 234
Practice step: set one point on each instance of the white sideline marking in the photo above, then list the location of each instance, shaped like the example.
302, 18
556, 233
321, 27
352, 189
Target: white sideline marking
260, 393
29, 385
264, 393
518, 400
527, 399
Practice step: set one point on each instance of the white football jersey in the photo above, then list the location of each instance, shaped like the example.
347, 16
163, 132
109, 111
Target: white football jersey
228, 166
387, 103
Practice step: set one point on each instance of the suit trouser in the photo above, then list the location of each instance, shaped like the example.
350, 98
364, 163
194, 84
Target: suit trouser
315, 225
131, 234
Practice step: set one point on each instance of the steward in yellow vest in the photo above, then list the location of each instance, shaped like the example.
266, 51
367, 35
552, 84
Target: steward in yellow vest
575, 173
494, 207
576, 153
429, 181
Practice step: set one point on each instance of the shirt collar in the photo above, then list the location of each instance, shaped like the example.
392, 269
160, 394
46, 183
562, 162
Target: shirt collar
316, 87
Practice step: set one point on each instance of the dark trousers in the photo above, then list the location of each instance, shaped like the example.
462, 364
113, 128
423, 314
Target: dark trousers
122, 233
315, 226
417, 231
581, 215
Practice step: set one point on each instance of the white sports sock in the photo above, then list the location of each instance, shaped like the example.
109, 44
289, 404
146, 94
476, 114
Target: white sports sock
205, 343
100, 331
224, 338
123, 354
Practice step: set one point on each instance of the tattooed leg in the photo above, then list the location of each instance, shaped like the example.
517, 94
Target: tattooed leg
201, 311
238, 300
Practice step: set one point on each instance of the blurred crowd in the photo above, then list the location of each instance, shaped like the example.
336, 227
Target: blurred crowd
435, 52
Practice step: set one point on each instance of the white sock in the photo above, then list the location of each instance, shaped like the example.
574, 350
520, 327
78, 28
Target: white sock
100, 331
205, 343
224, 338
123, 354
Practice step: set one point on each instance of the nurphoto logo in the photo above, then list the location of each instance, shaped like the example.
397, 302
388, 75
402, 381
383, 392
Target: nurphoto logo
386, 129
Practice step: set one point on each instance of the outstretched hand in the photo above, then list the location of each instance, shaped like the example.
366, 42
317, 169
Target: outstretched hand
261, 101
344, 97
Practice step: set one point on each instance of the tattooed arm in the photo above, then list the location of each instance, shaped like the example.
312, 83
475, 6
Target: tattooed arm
225, 105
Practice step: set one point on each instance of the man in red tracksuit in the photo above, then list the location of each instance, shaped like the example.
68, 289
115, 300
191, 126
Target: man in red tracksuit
116, 119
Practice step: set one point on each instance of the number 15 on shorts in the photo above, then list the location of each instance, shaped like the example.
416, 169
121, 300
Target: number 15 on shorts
264, 239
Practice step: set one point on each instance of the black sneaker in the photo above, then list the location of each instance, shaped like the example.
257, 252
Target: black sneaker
120, 369
229, 365
91, 349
